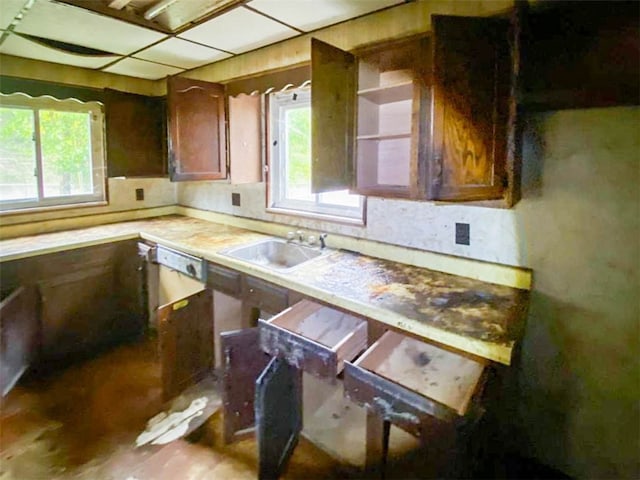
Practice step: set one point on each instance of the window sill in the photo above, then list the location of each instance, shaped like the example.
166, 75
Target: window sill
51, 208
360, 222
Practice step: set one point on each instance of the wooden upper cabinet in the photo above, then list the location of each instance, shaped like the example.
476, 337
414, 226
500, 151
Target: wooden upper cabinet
136, 134
197, 131
333, 75
245, 139
473, 109
392, 111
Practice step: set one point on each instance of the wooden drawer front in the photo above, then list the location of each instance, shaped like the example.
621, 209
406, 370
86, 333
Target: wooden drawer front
408, 382
314, 338
182, 262
224, 280
265, 296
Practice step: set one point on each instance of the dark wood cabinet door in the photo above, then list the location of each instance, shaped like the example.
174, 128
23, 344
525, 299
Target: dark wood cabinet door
278, 416
243, 361
136, 134
197, 135
332, 117
472, 95
185, 330
19, 331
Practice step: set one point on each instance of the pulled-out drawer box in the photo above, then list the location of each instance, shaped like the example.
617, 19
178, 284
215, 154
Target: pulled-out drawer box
313, 337
409, 382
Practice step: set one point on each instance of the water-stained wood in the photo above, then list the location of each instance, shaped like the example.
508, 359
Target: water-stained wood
472, 76
278, 416
333, 73
243, 361
314, 338
185, 334
197, 134
136, 134
19, 332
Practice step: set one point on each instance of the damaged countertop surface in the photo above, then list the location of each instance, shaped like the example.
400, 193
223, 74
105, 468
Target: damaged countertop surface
470, 315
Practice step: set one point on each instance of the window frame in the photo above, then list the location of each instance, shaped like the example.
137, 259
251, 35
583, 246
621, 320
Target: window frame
278, 103
97, 136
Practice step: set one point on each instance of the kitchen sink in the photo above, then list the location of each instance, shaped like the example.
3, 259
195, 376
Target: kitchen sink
275, 253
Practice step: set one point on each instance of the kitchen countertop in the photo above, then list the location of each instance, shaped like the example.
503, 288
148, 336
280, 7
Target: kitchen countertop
476, 317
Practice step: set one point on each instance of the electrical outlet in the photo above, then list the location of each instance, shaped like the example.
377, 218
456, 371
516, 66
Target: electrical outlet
139, 193
463, 234
235, 199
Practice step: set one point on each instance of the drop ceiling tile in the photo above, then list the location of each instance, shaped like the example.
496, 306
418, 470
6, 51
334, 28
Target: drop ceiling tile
181, 53
23, 47
8, 10
309, 15
70, 24
142, 69
238, 31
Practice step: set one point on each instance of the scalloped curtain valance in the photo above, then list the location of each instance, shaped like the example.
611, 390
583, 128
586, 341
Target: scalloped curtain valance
38, 88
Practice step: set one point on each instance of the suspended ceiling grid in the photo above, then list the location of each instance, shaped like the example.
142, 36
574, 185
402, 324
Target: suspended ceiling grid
54, 31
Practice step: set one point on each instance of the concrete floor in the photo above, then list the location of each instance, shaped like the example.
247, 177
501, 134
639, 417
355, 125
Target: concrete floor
81, 423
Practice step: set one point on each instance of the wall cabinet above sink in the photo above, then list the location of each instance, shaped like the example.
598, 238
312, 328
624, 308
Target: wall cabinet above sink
432, 118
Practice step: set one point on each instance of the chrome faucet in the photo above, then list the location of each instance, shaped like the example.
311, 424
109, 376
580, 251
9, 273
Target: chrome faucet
322, 238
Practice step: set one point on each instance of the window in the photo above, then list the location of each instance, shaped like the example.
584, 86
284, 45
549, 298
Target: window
290, 155
51, 152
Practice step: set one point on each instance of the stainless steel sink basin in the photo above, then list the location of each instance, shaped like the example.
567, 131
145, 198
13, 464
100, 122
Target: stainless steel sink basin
275, 253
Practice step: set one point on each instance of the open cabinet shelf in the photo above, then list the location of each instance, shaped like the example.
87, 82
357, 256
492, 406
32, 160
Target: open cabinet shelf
385, 147
384, 136
388, 93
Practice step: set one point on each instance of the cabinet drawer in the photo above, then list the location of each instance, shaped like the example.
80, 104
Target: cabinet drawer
313, 337
187, 264
224, 280
407, 382
266, 296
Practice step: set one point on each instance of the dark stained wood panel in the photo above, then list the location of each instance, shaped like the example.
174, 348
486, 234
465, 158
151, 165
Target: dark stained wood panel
333, 91
581, 55
185, 331
197, 133
19, 333
472, 76
243, 362
136, 134
278, 416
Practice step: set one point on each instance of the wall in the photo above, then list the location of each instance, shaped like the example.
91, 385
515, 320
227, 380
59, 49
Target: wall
158, 192
578, 381
574, 388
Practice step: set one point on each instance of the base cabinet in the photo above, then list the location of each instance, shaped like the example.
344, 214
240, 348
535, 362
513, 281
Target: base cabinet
19, 329
90, 298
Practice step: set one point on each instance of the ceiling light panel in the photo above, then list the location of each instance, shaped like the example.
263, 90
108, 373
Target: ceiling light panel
309, 15
22, 47
238, 31
70, 24
8, 11
142, 69
181, 53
